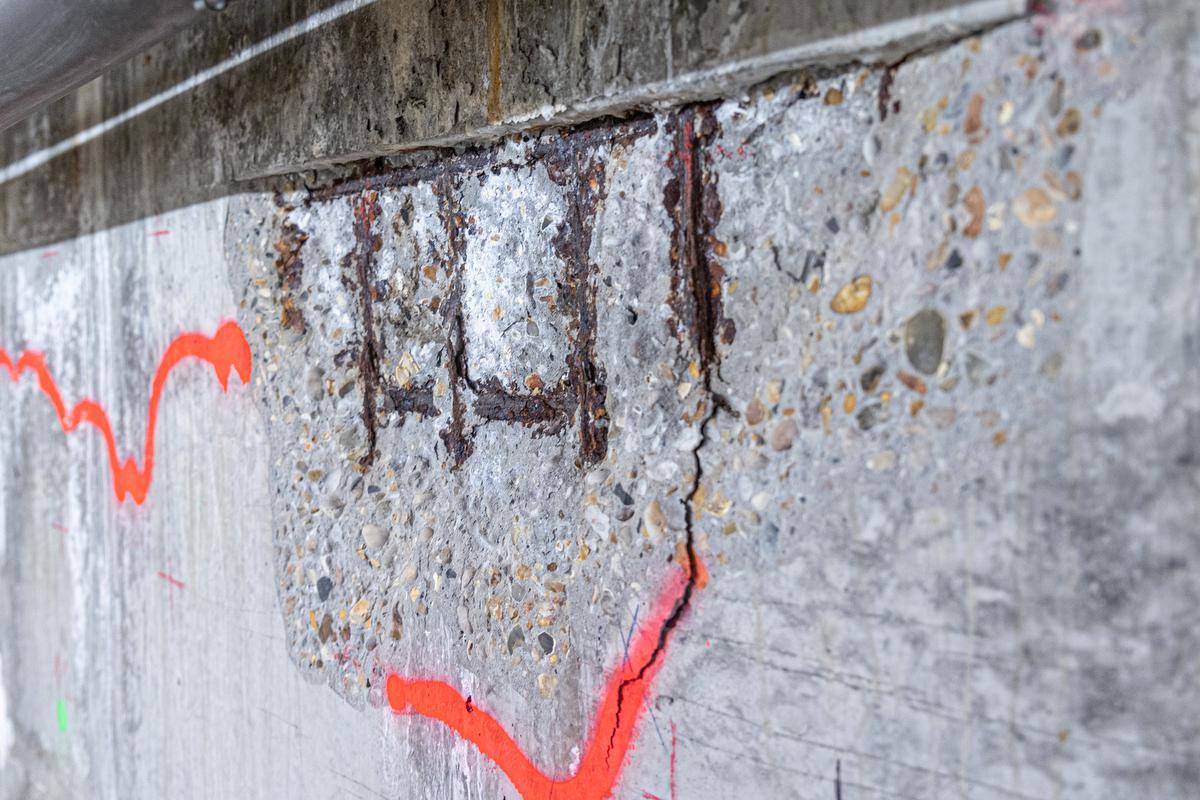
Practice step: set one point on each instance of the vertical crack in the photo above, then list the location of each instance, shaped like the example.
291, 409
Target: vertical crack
719, 403
692, 200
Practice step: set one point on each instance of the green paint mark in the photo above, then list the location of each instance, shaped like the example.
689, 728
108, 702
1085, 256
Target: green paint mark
62, 715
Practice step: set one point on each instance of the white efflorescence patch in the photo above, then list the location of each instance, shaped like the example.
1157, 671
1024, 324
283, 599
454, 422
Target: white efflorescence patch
6, 728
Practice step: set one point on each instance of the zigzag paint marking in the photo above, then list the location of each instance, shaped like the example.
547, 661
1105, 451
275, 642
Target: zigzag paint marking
612, 733
225, 350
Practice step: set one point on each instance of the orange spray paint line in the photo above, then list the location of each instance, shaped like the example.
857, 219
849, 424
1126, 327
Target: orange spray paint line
612, 735
226, 350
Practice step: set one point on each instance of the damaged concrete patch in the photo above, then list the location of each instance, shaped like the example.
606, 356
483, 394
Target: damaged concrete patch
474, 315
803, 338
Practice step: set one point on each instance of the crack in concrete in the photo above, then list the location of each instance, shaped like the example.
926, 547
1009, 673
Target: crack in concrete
719, 404
695, 205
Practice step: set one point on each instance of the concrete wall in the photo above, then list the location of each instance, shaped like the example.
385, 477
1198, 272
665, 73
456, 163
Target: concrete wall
804, 409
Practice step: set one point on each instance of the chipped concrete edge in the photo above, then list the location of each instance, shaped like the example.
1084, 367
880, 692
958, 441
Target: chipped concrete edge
877, 44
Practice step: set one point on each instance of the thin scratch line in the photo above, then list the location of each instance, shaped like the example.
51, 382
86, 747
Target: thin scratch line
629, 635
293, 31
649, 706
658, 730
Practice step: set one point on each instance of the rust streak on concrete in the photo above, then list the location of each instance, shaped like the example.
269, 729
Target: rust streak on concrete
495, 40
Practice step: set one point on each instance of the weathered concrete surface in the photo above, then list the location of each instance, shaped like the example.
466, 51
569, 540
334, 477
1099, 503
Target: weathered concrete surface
905, 356
149, 675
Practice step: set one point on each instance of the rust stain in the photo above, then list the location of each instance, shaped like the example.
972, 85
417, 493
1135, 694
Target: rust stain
412, 400
290, 269
584, 180
358, 274
692, 200
459, 444
473, 162
495, 40
547, 412
574, 160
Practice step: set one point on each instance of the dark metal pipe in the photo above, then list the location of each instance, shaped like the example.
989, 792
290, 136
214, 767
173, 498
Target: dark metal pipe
51, 47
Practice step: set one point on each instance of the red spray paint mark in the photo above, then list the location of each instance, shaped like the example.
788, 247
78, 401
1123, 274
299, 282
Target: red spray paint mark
178, 584
612, 735
162, 232
49, 253
60, 673
62, 529
673, 784
225, 350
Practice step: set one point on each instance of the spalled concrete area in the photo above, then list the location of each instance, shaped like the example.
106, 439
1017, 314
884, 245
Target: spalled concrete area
896, 364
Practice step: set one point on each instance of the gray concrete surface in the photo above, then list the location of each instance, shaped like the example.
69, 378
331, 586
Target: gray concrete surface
905, 355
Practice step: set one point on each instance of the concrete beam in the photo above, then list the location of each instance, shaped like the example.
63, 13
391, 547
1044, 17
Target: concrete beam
273, 89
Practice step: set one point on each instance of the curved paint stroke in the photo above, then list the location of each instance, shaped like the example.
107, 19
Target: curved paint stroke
225, 350
612, 735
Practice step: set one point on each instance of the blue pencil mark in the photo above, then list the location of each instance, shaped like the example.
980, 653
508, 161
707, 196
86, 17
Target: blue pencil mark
649, 705
629, 635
